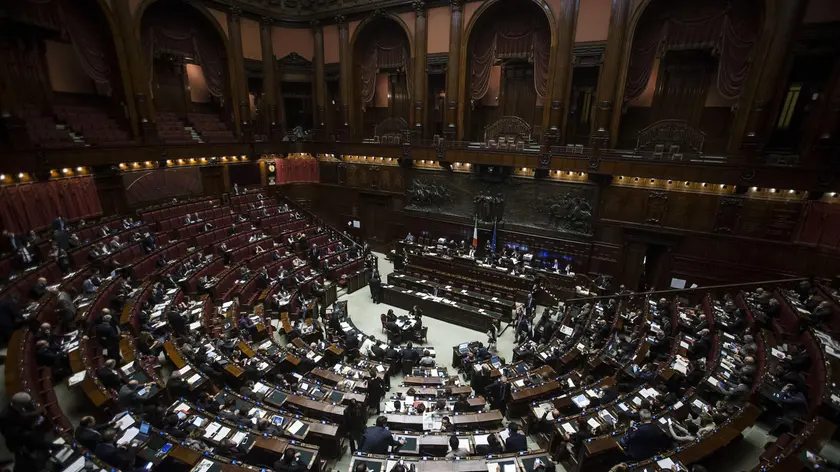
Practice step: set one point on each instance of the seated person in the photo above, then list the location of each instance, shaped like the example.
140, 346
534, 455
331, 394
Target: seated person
645, 439
427, 360
455, 450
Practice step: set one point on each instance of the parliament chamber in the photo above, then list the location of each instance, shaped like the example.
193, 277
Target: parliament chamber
420, 236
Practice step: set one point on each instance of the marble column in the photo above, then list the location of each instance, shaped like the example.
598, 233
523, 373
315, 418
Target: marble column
239, 86
420, 78
345, 68
608, 82
566, 21
453, 68
320, 80
271, 111
753, 123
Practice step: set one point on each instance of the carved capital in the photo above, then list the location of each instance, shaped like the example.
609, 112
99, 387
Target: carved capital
315, 24
235, 12
266, 22
341, 20
457, 5
419, 8
605, 105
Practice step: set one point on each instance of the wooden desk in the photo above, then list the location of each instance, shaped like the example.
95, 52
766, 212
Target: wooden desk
456, 313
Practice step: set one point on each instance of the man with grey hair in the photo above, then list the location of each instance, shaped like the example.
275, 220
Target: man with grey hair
644, 439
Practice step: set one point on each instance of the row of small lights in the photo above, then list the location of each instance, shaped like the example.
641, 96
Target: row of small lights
24, 177
725, 186
180, 162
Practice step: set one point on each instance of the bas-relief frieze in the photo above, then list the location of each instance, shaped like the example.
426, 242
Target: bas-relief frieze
558, 206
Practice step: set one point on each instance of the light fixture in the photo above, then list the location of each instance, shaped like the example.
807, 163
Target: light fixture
705, 184
772, 190
790, 191
570, 172
79, 169
753, 189
582, 174
635, 179
169, 162
670, 182
148, 163
122, 165
2, 176
65, 170
686, 183
722, 185
20, 176
192, 159
524, 169
652, 180
620, 177
832, 194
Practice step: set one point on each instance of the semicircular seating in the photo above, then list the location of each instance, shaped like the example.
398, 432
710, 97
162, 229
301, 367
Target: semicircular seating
210, 335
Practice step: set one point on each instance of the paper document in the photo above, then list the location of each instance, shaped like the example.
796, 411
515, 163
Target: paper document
211, 429
296, 427
239, 437
221, 434
125, 422
128, 435
76, 466
77, 378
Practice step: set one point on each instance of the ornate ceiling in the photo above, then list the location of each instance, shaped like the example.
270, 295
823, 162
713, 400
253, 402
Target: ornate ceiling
295, 12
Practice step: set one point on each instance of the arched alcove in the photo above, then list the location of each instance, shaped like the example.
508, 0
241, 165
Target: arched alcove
186, 53
382, 78
507, 71
688, 63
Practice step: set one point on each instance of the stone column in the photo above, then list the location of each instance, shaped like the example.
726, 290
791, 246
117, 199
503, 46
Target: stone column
139, 73
346, 68
320, 80
271, 111
420, 78
239, 86
753, 122
453, 68
566, 22
608, 82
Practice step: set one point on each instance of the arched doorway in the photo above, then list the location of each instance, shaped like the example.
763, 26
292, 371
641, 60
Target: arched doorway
382, 78
507, 74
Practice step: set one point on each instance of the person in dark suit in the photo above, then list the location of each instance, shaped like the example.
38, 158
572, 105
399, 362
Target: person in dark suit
290, 462
378, 440
39, 289
88, 433
177, 322
645, 439
177, 386
462, 404
121, 457
409, 353
11, 317
356, 419
700, 348
108, 336
109, 376
516, 442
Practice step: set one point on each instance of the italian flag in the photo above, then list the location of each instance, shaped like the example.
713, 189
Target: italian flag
475, 232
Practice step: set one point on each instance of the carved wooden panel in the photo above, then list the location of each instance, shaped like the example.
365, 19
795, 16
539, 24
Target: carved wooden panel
728, 215
657, 205
624, 204
770, 220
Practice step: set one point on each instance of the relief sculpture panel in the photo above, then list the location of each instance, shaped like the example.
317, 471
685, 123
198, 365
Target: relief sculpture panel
516, 202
